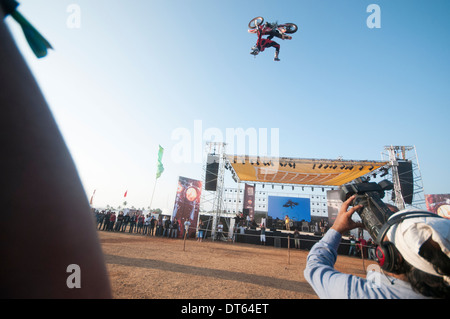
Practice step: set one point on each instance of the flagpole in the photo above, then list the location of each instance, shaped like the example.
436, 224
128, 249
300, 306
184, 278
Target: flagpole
153, 193
92, 198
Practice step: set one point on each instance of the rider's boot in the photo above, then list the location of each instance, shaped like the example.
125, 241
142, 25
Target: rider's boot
255, 51
276, 56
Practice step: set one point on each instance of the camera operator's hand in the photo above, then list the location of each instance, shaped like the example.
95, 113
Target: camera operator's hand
344, 221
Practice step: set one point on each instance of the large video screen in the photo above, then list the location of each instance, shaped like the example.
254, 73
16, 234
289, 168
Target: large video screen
297, 209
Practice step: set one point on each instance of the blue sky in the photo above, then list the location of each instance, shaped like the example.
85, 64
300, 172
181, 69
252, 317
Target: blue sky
138, 70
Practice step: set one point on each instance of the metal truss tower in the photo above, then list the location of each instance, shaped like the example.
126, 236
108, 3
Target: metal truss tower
211, 200
394, 155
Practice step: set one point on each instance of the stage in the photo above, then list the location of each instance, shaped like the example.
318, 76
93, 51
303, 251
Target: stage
279, 238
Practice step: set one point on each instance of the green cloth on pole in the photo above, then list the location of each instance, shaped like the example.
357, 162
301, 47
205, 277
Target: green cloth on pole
38, 44
160, 165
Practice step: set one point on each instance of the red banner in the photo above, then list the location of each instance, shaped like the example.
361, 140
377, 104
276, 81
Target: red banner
249, 200
439, 204
187, 204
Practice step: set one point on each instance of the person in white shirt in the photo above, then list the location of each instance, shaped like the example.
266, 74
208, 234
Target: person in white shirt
219, 231
418, 259
187, 224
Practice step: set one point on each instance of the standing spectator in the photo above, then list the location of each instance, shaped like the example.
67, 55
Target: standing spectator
98, 215
126, 220
200, 231
112, 220
146, 224
219, 231
106, 220
159, 226
253, 224
363, 246
163, 224
170, 229
297, 238
322, 226
352, 249
263, 235
101, 219
175, 225
263, 221
235, 233
371, 248
152, 226
132, 222
241, 233
187, 224
119, 221
166, 227
140, 222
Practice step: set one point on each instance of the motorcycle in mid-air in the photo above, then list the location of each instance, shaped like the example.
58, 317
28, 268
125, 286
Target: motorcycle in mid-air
257, 26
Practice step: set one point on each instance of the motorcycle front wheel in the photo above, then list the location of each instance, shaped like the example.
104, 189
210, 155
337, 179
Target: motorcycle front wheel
255, 22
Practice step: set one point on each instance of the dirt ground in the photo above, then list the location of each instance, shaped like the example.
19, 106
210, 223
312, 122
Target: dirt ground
142, 267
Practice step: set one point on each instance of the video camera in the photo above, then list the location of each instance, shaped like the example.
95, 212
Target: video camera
374, 212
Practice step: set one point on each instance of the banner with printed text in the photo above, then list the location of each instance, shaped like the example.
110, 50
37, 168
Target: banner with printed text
187, 203
249, 200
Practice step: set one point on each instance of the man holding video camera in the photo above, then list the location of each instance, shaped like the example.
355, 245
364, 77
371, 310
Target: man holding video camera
413, 253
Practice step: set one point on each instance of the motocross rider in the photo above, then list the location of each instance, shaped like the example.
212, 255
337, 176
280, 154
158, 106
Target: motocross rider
272, 31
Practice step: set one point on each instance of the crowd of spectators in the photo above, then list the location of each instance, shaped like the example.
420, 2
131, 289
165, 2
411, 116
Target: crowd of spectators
163, 226
361, 246
139, 223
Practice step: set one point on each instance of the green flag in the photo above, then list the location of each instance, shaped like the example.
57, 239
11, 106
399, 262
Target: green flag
160, 165
37, 42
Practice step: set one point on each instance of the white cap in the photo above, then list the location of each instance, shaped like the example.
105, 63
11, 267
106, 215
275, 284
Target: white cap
409, 235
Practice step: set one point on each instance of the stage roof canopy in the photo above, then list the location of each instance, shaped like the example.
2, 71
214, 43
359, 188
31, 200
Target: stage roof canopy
285, 170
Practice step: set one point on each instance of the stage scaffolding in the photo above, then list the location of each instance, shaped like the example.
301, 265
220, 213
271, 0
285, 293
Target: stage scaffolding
396, 154
211, 203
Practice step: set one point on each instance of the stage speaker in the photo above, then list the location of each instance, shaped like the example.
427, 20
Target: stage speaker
212, 170
405, 174
269, 222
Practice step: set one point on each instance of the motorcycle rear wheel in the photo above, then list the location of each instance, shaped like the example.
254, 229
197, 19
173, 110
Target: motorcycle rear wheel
255, 22
291, 28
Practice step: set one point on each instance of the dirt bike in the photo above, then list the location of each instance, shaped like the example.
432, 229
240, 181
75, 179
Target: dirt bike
281, 30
